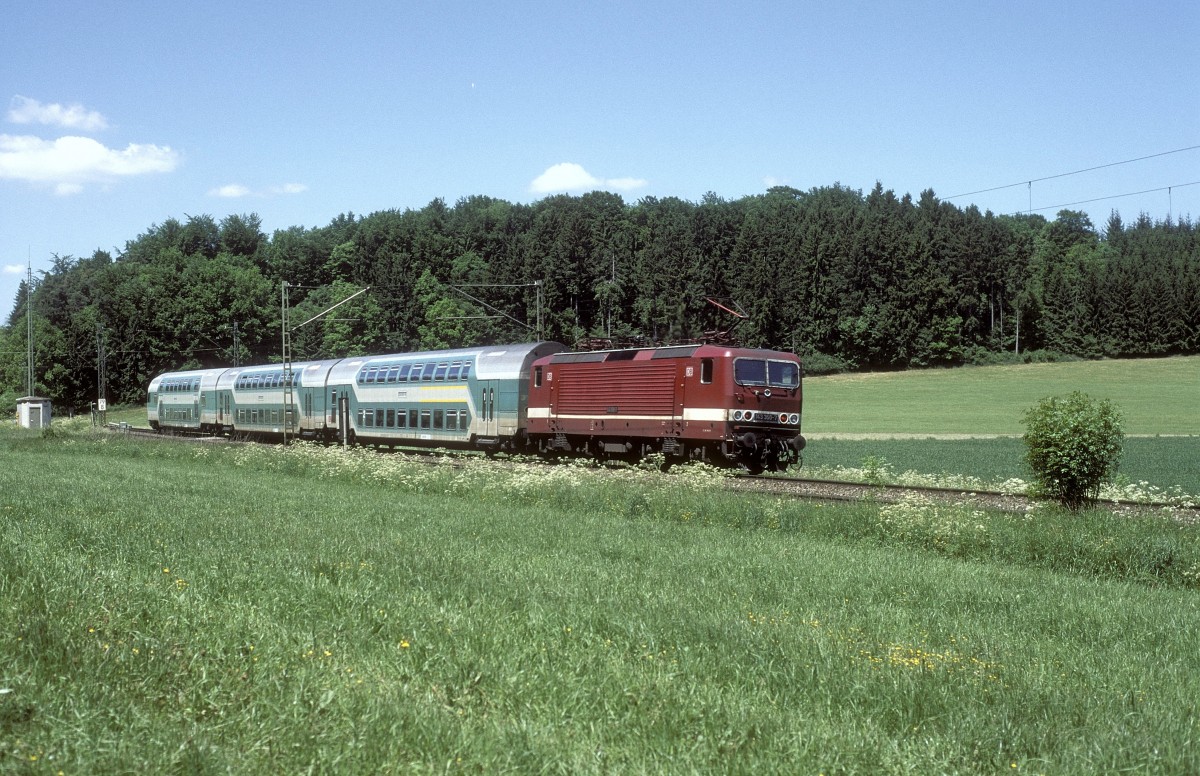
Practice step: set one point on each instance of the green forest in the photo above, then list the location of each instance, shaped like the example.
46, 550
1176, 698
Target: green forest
847, 280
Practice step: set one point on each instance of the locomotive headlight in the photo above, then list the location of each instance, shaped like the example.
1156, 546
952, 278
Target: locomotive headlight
737, 414
794, 419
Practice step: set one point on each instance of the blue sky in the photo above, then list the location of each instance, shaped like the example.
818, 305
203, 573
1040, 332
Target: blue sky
117, 116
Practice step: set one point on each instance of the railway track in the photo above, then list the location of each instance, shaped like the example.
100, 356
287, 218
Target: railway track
837, 490
817, 489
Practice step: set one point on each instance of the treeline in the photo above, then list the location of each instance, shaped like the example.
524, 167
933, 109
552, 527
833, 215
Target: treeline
847, 280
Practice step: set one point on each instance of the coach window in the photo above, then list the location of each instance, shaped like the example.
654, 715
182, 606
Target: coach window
391, 418
706, 370
393, 374
440, 372
452, 421
379, 418
425, 418
415, 374
466, 371
403, 376
439, 419
427, 375
412, 418
463, 423
454, 370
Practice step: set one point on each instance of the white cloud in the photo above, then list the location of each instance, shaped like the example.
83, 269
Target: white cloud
237, 190
771, 181
14, 269
24, 110
626, 184
69, 162
230, 190
568, 176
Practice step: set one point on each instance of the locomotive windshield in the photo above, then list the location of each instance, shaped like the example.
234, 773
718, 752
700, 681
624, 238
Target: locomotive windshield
775, 374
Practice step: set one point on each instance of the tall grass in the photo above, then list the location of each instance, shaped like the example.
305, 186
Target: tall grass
193, 609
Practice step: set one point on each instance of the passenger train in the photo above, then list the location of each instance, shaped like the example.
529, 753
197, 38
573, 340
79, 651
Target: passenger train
726, 406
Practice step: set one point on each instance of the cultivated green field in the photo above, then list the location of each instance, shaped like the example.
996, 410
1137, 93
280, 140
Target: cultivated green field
1157, 396
173, 608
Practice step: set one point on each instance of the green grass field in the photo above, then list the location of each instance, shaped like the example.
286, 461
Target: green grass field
1156, 396
192, 608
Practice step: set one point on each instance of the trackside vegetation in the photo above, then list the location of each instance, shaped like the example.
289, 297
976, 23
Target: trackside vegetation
173, 607
1073, 446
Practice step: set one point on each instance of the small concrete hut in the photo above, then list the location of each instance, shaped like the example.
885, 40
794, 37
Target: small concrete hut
33, 412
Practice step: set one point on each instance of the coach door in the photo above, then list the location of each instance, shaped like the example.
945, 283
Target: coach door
487, 408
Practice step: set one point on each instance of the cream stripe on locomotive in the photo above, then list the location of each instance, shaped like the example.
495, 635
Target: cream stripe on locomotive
692, 414
689, 413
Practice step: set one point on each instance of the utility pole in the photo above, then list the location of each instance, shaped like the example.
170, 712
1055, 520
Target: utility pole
237, 346
101, 374
29, 324
286, 336
287, 364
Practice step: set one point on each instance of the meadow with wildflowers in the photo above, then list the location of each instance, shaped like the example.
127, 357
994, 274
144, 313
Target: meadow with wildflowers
170, 607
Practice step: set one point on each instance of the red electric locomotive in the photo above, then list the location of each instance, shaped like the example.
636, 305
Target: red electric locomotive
726, 406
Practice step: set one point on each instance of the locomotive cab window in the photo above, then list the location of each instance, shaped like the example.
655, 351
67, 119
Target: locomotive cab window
750, 371
537, 377
783, 374
776, 374
706, 370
